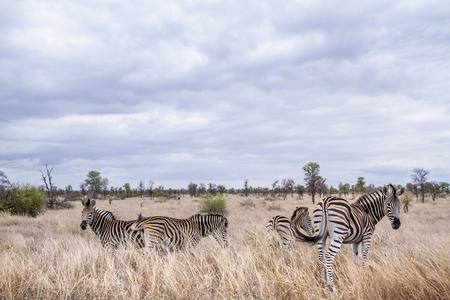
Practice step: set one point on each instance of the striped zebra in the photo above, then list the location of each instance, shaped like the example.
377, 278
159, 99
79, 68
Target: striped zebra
351, 224
112, 232
282, 226
165, 233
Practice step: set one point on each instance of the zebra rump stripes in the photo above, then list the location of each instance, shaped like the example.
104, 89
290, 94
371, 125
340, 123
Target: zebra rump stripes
351, 224
282, 226
112, 232
165, 233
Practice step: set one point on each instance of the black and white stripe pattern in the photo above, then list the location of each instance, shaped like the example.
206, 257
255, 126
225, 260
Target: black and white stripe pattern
165, 233
281, 226
351, 224
112, 232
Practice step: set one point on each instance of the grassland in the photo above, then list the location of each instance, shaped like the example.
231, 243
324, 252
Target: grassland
50, 257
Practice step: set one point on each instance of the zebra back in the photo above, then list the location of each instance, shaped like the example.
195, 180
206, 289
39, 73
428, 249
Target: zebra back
280, 226
176, 234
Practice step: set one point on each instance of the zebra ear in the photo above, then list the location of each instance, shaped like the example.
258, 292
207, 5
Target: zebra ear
400, 191
387, 190
90, 203
83, 201
139, 219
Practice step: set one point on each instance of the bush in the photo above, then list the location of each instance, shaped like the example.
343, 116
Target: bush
25, 200
213, 205
407, 200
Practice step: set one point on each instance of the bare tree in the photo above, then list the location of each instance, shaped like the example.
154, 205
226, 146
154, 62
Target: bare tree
419, 177
47, 178
52, 195
274, 188
4, 181
141, 188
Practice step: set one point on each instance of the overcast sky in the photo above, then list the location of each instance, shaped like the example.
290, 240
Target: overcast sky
223, 91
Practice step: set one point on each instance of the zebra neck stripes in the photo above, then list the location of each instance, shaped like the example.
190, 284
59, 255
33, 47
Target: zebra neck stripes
99, 218
373, 205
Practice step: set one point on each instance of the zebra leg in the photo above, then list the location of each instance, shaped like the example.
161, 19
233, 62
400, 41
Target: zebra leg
355, 247
329, 260
365, 251
320, 246
221, 239
146, 240
151, 241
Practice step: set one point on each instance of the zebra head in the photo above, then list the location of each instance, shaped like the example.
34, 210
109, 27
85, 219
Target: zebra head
86, 214
301, 218
393, 204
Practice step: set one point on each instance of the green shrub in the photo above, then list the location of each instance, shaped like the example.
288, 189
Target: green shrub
25, 200
213, 205
407, 200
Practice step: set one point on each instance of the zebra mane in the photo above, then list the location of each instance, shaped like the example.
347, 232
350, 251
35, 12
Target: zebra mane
196, 216
106, 214
366, 197
201, 218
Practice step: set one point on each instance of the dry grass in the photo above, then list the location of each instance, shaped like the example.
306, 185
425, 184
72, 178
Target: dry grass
51, 257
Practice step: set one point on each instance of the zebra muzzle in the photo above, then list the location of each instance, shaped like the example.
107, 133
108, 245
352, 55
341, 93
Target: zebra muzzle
83, 225
396, 223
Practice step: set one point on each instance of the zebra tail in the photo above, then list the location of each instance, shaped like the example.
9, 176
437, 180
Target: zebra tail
135, 225
313, 239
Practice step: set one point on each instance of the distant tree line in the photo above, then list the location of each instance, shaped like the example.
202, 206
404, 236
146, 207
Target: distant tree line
26, 199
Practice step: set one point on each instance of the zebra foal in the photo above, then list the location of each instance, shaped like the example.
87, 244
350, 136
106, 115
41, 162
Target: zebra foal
165, 233
112, 232
281, 226
351, 224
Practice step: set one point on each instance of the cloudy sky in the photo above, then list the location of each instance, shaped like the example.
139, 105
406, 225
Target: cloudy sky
223, 91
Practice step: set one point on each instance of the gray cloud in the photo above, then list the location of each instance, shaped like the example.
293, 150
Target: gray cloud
220, 92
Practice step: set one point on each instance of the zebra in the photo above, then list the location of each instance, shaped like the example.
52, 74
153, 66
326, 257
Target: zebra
165, 233
112, 232
282, 226
351, 224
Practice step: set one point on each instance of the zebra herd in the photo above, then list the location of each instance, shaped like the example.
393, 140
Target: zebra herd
343, 222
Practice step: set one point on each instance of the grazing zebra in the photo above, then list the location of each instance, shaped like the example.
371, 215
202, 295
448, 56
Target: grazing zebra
351, 224
165, 233
112, 232
282, 226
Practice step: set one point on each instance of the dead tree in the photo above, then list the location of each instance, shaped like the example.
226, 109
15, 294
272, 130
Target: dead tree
47, 178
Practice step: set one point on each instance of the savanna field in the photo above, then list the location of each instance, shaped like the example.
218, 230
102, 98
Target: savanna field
50, 257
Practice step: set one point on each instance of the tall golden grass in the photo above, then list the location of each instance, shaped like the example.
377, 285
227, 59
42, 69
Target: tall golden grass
50, 257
